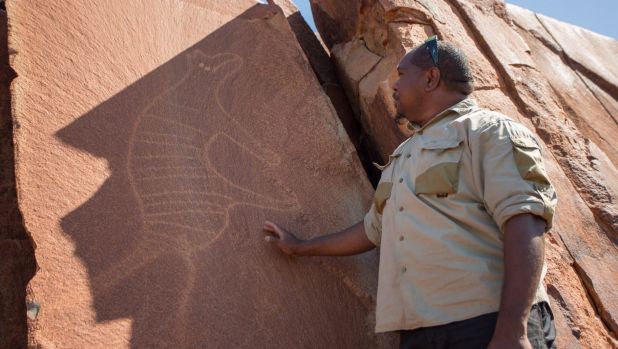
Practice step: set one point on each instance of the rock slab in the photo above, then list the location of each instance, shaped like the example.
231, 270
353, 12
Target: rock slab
155, 138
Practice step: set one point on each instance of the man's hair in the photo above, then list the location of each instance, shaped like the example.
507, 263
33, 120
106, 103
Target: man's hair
453, 65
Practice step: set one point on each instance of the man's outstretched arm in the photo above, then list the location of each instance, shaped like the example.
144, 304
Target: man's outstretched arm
350, 241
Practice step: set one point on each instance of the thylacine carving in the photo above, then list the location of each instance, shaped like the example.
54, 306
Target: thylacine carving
183, 197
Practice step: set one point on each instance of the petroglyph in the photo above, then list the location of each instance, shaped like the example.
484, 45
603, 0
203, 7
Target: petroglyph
184, 197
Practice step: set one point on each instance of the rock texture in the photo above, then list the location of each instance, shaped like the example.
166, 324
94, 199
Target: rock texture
155, 138
557, 79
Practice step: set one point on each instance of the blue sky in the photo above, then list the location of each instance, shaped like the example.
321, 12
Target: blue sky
597, 15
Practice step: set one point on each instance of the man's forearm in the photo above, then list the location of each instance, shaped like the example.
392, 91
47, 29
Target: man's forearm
523, 263
349, 241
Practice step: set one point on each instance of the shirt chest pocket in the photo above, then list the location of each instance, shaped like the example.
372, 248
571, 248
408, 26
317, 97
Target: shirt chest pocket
385, 186
438, 167
383, 192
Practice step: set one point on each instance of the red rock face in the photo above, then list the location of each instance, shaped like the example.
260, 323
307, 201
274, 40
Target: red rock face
155, 139
536, 70
152, 139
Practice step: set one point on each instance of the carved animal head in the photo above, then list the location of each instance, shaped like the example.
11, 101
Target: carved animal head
214, 63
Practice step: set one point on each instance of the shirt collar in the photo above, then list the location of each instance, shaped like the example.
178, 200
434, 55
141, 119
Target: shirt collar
460, 108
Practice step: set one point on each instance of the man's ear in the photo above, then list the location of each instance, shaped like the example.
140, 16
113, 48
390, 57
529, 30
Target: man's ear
432, 79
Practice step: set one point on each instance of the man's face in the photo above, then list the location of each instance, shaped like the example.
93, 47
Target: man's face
409, 89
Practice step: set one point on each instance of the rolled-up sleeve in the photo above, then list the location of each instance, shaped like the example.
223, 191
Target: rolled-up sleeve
373, 225
511, 173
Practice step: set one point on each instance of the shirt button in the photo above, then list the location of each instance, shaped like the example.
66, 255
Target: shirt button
401, 208
401, 238
400, 180
403, 269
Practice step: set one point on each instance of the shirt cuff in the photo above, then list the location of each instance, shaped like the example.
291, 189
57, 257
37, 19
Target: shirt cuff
525, 204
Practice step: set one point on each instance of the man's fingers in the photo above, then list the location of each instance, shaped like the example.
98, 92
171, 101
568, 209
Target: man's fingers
270, 238
268, 225
279, 237
272, 227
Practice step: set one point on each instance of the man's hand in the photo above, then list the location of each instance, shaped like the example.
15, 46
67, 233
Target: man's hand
282, 238
350, 241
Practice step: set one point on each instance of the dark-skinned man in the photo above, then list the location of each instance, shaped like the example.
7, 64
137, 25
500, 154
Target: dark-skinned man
459, 214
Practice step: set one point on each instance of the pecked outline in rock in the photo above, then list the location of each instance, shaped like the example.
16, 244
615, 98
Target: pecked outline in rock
179, 157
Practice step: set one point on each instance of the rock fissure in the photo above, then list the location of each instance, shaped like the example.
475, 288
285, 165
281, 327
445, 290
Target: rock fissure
17, 259
600, 311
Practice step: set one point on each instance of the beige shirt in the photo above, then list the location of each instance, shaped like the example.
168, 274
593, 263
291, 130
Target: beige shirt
439, 211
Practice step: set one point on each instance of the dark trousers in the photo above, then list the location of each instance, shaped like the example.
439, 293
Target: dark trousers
476, 333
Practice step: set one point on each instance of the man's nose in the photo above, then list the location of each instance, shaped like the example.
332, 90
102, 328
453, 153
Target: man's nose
395, 85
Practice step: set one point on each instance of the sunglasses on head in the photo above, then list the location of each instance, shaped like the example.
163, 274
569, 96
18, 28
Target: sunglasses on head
431, 45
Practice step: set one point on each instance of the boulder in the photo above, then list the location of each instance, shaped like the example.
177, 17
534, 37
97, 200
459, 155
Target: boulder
155, 139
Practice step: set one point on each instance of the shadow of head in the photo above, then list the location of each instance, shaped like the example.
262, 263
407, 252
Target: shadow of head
169, 240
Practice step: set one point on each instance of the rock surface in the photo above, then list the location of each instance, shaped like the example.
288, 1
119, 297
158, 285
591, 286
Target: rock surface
155, 139
586, 51
535, 70
579, 101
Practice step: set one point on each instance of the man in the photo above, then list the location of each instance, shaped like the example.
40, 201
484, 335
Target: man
459, 214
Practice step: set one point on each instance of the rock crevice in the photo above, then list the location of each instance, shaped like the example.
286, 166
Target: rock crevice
17, 262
